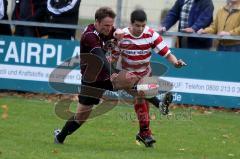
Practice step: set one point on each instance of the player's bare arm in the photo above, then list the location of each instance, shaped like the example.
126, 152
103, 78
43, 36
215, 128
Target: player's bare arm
178, 63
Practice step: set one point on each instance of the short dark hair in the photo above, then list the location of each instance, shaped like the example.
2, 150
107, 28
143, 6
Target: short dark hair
138, 15
104, 12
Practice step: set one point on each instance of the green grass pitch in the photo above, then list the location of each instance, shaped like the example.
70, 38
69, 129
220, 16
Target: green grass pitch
26, 132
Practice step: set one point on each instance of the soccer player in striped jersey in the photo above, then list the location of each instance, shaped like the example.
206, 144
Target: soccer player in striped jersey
134, 56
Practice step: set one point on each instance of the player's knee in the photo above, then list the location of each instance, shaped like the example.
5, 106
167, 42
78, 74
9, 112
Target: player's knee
83, 112
139, 100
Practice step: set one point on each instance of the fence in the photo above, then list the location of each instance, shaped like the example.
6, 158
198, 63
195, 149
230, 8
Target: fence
124, 7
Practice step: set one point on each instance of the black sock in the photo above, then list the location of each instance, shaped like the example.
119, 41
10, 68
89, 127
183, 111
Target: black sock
70, 126
155, 101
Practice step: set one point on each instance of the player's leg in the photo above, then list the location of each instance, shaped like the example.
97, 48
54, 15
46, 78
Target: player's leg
82, 114
149, 86
88, 97
162, 105
142, 110
143, 116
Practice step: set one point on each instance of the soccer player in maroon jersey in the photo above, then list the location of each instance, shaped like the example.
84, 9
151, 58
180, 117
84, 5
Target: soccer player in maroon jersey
95, 70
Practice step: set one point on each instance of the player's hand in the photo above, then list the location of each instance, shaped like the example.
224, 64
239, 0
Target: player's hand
118, 34
162, 29
188, 30
113, 76
110, 59
180, 63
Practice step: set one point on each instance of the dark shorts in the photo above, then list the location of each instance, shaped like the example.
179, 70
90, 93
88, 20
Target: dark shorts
91, 93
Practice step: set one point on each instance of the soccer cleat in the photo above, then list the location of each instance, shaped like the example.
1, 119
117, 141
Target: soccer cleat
148, 140
166, 101
56, 132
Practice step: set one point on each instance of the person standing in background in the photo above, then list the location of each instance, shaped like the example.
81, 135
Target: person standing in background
29, 10
227, 22
5, 29
63, 12
192, 16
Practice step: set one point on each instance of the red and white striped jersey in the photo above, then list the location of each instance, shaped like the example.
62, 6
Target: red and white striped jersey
135, 52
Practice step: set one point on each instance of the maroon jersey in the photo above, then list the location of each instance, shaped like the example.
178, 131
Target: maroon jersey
90, 40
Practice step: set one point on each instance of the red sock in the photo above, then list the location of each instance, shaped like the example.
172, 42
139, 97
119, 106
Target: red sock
142, 111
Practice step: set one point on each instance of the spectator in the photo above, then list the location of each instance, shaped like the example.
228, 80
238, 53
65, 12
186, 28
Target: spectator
4, 28
63, 12
227, 22
171, 41
29, 10
192, 15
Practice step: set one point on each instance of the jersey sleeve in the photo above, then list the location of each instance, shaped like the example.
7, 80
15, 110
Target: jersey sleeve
158, 45
91, 40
